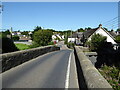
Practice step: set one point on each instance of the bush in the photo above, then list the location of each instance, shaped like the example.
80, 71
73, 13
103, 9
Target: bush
15, 38
34, 45
117, 38
70, 45
42, 37
96, 42
7, 45
112, 75
51, 43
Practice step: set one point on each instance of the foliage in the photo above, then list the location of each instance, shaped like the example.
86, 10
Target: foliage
42, 37
117, 38
4, 34
112, 75
37, 28
21, 46
81, 30
15, 38
88, 28
51, 43
96, 42
70, 45
34, 45
25, 33
118, 29
7, 45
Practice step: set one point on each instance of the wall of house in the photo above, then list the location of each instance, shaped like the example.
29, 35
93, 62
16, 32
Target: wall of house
102, 32
71, 39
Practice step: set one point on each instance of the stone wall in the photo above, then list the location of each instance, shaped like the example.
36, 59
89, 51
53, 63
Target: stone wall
10, 60
92, 77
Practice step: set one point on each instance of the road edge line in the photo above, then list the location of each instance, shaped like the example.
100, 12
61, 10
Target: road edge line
68, 72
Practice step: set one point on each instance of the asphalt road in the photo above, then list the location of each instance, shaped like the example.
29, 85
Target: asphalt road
52, 70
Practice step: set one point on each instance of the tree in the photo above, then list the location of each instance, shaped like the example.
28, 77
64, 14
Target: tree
25, 33
117, 38
7, 45
42, 37
15, 38
118, 29
96, 42
81, 30
37, 28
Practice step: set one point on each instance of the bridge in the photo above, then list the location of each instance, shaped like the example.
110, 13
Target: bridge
64, 68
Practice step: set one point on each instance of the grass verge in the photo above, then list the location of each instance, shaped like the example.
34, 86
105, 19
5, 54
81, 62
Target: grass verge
22, 46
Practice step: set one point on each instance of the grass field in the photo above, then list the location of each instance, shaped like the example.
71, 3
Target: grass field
22, 46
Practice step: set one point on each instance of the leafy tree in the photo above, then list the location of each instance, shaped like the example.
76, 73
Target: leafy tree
7, 45
81, 30
15, 38
42, 37
118, 29
96, 42
117, 38
88, 28
37, 28
4, 34
25, 33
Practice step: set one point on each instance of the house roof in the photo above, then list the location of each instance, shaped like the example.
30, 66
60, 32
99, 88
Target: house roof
76, 35
89, 32
113, 34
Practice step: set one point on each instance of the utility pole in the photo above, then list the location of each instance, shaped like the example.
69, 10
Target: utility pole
1, 7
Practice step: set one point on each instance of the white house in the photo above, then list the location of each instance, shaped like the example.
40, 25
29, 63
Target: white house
76, 38
89, 33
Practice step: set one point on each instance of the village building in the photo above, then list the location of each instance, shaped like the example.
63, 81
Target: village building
100, 30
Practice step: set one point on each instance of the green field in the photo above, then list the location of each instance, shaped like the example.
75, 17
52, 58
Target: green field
22, 46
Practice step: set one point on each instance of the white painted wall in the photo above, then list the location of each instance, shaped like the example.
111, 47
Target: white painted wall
53, 37
102, 32
71, 39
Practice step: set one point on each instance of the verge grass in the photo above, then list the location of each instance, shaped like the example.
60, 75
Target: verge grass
22, 46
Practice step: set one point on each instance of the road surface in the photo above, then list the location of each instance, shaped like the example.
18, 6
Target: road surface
52, 70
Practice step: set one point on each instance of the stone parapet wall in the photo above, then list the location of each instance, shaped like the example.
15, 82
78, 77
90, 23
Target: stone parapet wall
92, 77
10, 60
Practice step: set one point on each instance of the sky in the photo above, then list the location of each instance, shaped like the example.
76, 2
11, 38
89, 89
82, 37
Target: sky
60, 16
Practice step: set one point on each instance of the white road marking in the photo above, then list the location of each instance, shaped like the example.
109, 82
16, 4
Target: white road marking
68, 72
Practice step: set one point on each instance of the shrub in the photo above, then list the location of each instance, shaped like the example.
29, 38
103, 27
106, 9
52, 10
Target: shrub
15, 38
117, 38
7, 45
51, 43
42, 37
96, 42
34, 45
112, 75
70, 45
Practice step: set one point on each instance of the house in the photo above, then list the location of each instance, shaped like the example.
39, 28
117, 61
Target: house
89, 33
76, 38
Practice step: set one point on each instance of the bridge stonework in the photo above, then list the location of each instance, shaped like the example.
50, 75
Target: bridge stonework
90, 75
10, 60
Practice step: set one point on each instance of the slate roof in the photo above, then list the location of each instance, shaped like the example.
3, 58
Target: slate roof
76, 35
113, 34
89, 32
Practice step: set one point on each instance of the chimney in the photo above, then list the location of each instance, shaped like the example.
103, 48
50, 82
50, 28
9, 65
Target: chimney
100, 25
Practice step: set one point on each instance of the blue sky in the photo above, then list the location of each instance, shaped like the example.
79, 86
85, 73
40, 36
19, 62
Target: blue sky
57, 15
